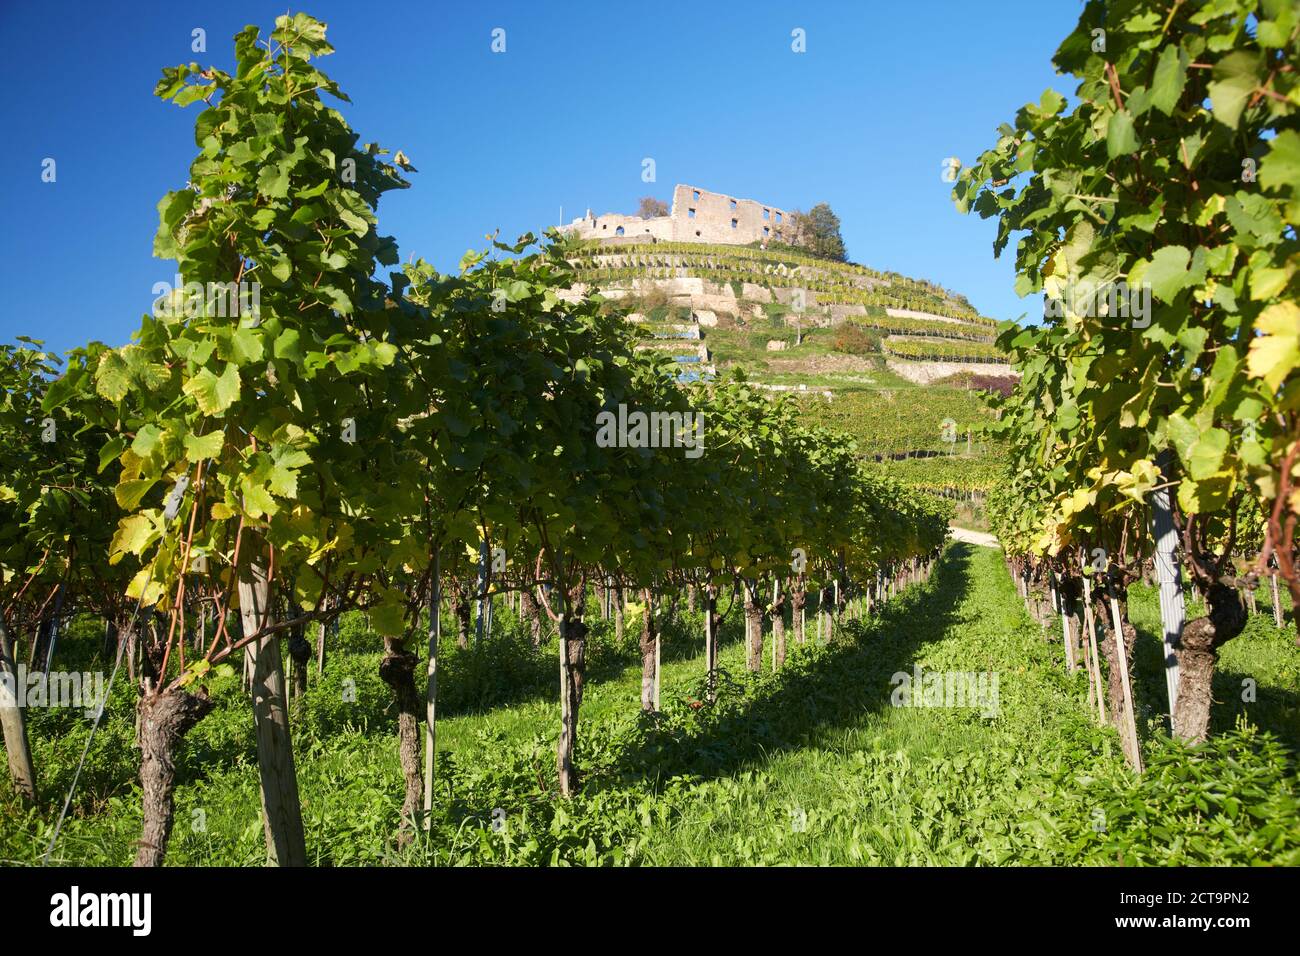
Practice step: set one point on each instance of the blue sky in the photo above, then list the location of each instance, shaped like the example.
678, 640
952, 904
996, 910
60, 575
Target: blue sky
584, 92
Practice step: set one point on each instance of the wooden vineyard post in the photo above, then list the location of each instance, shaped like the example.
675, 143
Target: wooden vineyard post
1094, 674
60, 591
1087, 664
710, 645
1277, 604
1173, 612
286, 844
320, 648
776, 596
564, 752
1130, 719
820, 592
1051, 587
431, 685
650, 657
658, 632
836, 606
482, 591
1070, 663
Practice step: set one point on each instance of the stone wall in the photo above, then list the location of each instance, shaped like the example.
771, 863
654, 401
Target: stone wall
697, 215
614, 226
923, 373
702, 216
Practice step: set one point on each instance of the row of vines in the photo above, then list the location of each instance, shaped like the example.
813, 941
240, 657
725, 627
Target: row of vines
826, 291
351, 443
923, 350
696, 255
1165, 443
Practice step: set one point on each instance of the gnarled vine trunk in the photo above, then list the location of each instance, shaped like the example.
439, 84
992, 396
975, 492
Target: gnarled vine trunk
1197, 651
397, 670
753, 629
13, 722
619, 624
649, 653
573, 658
798, 601
164, 719
531, 613
300, 656
461, 608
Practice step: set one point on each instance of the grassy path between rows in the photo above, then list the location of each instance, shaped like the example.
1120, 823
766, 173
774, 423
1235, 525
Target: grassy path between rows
813, 765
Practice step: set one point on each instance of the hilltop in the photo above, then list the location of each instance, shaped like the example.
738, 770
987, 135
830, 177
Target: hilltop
898, 363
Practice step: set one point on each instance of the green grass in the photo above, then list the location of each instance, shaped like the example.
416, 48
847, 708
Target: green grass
811, 765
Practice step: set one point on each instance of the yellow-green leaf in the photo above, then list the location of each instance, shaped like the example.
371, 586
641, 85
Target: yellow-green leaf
128, 493
212, 393
1276, 352
199, 447
133, 535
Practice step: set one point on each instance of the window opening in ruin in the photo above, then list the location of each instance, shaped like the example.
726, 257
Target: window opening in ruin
618, 231
766, 230
696, 195
690, 213
767, 214
778, 217
733, 204
734, 223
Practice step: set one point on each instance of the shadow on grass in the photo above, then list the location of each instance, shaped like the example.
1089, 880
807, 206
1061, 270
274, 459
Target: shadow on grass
816, 692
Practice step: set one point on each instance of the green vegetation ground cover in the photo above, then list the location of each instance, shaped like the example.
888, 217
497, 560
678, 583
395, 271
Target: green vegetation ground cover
882, 412
885, 421
810, 765
955, 472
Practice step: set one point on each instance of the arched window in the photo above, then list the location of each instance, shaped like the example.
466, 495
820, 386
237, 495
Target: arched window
618, 231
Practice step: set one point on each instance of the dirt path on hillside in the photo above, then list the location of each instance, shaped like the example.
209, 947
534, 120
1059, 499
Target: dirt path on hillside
973, 537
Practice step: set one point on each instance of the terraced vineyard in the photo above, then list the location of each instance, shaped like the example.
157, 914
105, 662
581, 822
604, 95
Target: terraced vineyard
604, 264
877, 319
897, 422
753, 292
936, 429
930, 350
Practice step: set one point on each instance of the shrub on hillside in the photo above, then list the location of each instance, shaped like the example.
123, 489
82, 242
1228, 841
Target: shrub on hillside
853, 339
973, 381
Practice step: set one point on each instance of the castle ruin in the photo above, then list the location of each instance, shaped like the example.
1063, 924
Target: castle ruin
697, 215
